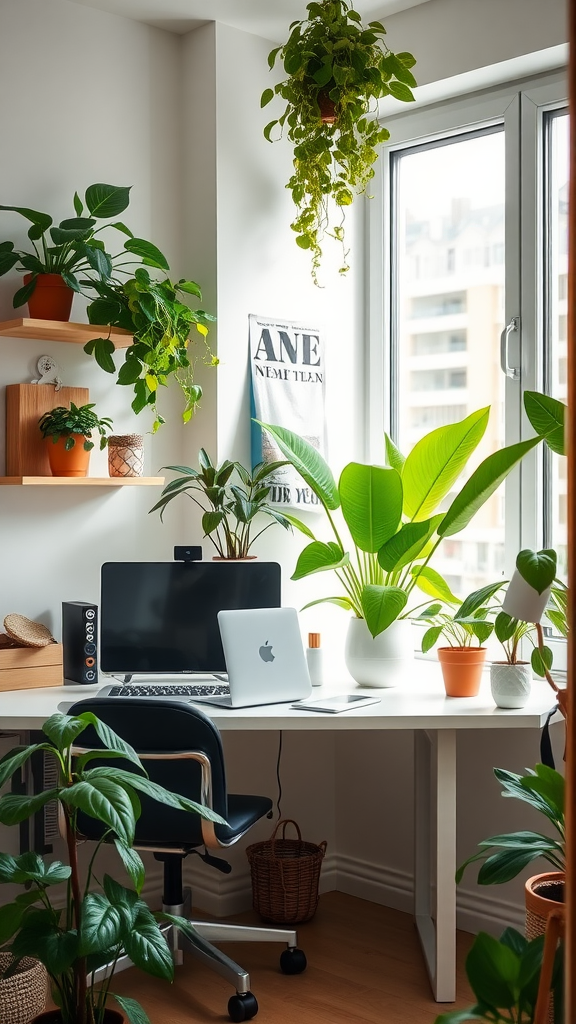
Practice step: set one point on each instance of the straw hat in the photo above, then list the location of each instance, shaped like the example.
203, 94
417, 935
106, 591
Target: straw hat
27, 632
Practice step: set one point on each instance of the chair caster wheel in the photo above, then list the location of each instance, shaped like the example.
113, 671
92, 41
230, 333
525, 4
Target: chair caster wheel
293, 961
242, 1007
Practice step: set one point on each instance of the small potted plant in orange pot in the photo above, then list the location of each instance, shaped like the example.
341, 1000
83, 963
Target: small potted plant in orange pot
68, 434
464, 631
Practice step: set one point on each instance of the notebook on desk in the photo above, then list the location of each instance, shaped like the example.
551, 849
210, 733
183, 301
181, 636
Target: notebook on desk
264, 657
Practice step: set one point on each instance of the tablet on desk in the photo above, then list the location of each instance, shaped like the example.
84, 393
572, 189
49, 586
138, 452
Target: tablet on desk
343, 702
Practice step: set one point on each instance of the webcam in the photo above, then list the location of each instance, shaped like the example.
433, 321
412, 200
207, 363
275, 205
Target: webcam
190, 553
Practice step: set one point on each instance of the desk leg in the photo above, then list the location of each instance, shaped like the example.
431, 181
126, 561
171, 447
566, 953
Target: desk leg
435, 767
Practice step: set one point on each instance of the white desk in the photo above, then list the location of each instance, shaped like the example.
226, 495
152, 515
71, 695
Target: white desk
418, 704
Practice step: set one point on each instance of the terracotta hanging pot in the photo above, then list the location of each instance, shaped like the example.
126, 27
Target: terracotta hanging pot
327, 106
73, 462
462, 669
51, 298
54, 1017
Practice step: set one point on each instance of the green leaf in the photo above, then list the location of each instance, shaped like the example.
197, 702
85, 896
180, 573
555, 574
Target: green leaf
130, 371
341, 602
319, 557
382, 606
437, 460
39, 937
152, 789
62, 730
505, 865
111, 740
14, 759
106, 801
133, 863
401, 92
211, 521
481, 485
476, 600
15, 808
538, 568
371, 500
149, 253
541, 660
11, 915
268, 129
514, 940
299, 525
493, 971
432, 583
102, 924
267, 95
272, 56
309, 463
147, 947
548, 417
102, 351
134, 1012
105, 201
407, 544
394, 456
504, 626
40, 220
430, 637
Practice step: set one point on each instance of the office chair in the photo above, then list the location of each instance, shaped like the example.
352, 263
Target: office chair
181, 750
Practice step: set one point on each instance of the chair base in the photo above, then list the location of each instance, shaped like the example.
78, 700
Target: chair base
200, 944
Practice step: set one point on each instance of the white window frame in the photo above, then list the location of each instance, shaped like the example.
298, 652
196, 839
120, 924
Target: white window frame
520, 107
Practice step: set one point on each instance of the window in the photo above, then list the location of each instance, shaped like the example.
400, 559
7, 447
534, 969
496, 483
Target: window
461, 258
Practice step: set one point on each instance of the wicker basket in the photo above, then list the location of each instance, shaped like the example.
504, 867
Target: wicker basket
22, 994
285, 876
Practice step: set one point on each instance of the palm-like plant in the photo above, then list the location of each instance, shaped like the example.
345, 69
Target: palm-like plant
101, 918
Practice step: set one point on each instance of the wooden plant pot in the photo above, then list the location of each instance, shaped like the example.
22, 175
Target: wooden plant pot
462, 669
51, 298
54, 1017
67, 463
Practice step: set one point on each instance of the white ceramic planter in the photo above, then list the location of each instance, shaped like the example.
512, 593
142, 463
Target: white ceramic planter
379, 661
510, 684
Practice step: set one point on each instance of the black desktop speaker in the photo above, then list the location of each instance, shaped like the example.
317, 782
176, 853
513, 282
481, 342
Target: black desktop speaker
80, 641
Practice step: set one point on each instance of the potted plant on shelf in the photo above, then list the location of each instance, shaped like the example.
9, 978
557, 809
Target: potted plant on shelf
229, 509
68, 434
160, 321
98, 923
462, 661
395, 528
336, 71
61, 252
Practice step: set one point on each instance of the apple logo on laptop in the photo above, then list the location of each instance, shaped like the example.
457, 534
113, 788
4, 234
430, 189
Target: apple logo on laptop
265, 652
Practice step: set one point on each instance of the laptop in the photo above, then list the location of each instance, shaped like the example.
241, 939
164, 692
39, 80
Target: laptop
264, 657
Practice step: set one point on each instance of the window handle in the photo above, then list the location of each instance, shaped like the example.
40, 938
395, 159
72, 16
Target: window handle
510, 371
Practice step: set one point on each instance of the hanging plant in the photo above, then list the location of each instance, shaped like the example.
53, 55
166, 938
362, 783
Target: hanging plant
337, 70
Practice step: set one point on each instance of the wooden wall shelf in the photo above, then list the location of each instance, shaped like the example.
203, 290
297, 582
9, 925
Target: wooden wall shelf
56, 330
82, 481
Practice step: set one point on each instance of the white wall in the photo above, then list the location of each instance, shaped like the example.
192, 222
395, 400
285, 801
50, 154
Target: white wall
175, 118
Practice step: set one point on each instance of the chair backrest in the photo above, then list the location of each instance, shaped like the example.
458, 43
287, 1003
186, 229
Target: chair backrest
164, 728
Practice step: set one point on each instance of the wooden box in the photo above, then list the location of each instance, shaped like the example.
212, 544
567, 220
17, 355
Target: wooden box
25, 404
23, 668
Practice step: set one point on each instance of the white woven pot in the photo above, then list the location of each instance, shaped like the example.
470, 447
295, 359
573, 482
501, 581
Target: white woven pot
510, 684
381, 660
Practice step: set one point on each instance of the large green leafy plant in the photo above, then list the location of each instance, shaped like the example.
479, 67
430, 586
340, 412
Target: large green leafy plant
100, 918
230, 498
332, 61
392, 516
69, 248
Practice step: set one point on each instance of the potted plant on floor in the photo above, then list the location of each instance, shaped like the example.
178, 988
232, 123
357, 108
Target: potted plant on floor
336, 71
68, 436
229, 509
465, 631
395, 528
97, 924
157, 316
61, 252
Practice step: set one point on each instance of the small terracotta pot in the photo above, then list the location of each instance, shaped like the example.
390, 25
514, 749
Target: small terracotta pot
462, 669
54, 1017
67, 463
51, 298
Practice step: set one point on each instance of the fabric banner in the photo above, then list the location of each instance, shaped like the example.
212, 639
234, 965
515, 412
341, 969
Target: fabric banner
288, 381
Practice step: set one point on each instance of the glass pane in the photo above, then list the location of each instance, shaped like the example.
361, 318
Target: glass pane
556, 204
448, 212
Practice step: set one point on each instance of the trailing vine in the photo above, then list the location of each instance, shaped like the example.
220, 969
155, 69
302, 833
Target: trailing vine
337, 70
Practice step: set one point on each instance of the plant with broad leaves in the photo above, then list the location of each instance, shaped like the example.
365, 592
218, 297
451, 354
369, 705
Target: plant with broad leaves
504, 856
229, 509
504, 976
331, 59
71, 247
547, 416
98, 923
77, 421
391, 513
460, 628
161, 322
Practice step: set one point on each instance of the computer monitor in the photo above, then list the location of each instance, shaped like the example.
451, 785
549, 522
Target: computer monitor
160, 618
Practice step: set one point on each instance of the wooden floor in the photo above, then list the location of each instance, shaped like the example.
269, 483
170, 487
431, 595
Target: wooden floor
364, 965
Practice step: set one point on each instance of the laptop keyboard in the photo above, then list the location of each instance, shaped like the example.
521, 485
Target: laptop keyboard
168, 690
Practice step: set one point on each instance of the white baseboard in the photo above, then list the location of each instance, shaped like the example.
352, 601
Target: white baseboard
226, 895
